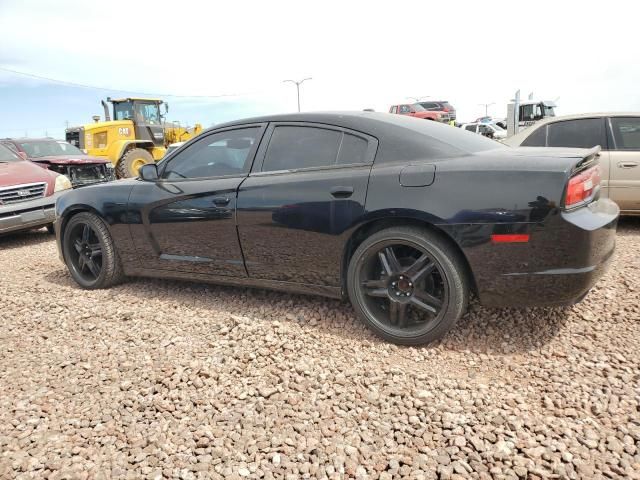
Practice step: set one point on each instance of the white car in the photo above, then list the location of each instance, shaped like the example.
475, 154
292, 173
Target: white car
490, 130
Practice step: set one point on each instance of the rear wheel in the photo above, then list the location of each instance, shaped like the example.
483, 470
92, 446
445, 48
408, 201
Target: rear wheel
89, 252
130, 163
408, 285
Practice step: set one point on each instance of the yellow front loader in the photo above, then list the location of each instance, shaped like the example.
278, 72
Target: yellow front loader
137, 135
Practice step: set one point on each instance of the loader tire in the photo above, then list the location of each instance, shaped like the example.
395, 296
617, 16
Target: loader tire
130, 163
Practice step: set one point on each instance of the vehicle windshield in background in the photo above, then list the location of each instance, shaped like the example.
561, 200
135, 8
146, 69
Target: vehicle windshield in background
49, 149
418, 108
7, 155
548, 111
123, 111
148, 113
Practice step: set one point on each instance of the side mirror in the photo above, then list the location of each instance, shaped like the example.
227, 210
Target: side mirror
148, 173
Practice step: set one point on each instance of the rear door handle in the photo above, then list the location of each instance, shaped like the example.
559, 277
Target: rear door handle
341, 192
627, 164
221, 201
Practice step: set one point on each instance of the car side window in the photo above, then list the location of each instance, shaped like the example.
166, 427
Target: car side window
352, 150
538, 138
470, 128
293, 147
218, 154
580, 133
405, 109
299, 147
394, 109
626, 132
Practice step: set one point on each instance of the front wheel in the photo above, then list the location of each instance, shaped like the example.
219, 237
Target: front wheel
89, 252
408, 285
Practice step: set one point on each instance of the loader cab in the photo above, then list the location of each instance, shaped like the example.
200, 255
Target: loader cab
145, 115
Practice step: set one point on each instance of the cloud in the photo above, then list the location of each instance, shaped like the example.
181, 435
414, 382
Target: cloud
360, 54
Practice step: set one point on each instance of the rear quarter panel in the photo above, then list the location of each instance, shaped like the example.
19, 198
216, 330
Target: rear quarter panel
474, 197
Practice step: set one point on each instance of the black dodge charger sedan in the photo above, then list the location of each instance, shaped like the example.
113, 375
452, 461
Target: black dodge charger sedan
405, 217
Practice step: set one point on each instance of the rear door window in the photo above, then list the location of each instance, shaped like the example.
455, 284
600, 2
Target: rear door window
471, 128
626, 132
394, 109
295, 147
579, 133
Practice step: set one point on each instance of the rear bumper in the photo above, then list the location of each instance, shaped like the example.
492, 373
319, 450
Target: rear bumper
27, 215
574, 253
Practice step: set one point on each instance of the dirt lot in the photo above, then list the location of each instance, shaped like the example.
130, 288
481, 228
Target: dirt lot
158, 379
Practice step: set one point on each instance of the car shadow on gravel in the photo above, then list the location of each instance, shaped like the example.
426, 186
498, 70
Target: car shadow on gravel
629, 225
506, 330
481, 330
24, 239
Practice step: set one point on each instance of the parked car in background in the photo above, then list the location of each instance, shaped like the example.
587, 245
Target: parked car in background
64, 158
403, 217
28, 193
618, 135
416, 110
443, 106
490, 130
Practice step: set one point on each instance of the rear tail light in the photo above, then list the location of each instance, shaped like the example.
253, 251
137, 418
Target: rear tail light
582, 186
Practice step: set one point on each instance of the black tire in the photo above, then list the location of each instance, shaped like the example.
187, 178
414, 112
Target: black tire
50, 229
440, 283
80, 248
131, 162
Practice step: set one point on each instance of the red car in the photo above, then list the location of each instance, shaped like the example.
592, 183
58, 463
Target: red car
416, 110
64, 158
28, 193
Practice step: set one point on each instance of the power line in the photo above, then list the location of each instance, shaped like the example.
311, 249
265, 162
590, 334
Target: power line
93, 87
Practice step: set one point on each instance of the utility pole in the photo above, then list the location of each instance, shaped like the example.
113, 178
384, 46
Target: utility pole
418, 99
298, 83
486, 107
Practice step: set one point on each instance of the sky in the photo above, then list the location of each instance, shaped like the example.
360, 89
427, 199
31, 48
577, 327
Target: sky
359, 54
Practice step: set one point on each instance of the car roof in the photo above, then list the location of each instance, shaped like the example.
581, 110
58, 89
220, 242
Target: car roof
346, 119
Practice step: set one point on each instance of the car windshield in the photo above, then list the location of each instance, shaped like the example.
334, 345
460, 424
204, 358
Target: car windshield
6, 155
418, 107
549, 111
49, 149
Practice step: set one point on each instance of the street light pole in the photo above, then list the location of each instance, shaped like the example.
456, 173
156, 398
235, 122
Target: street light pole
298, 83
486, 107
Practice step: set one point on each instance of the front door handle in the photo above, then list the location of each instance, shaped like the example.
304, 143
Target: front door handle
341, 192
221, 201
627, 164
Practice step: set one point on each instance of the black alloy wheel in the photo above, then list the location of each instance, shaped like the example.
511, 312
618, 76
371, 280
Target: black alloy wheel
89, 252
408, 285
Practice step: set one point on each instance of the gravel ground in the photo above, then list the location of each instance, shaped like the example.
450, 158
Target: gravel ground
158, 379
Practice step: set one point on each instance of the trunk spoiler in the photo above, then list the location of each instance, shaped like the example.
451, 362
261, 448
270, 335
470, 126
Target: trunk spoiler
591, 156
